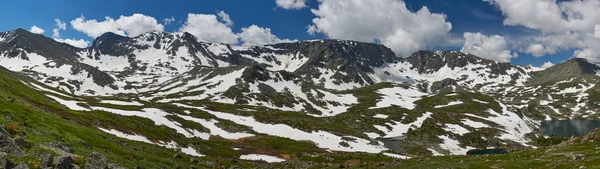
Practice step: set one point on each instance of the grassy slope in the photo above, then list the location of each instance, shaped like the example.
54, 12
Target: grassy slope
40, 120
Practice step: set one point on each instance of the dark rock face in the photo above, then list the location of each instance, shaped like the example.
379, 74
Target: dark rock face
6, 163
21, 165
64, 162
441, 85
20, 141
96, 161
108, 43
35, 43
432, 61
45, 159
8, 145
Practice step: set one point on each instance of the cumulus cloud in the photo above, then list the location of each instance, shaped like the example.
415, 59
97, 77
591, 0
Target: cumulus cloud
36, 30
492, 47
564, 24
255, 35
168, 21
63, 26
291, 4
126, 25
225, 17
539, 50
60, 25
393, 24
208, 27
77, 43
547, 65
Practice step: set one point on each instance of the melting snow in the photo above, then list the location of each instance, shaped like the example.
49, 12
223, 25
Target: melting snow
398, 96
261, 157
449, 104
453, 146
396, 156
399, 129
127, 136
124, 103
68, 103
381, 116
457, 129
322, 139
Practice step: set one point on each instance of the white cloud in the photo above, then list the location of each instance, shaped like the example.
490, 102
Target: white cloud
126, 25
255, 35
60, 25
168, 21
77, 43
386, 21
547, 65
488, 47
225, 17
565, 25
36, 30
539, 50
208, 27
536, 14
291, 4
63, 26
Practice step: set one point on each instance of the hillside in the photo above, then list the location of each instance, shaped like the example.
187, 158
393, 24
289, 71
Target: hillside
170, 99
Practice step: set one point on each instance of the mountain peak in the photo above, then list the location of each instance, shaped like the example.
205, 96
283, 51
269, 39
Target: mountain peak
572, 68
108, 37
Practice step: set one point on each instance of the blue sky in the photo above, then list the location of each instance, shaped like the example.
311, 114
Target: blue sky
474, 16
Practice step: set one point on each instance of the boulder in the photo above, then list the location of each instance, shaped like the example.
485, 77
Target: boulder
6, 163
21, 166
64, 147
64, 162
45, 159
8, 145
20, 141
96, 161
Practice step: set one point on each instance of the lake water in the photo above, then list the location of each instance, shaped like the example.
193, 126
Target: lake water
392, 143
568, 128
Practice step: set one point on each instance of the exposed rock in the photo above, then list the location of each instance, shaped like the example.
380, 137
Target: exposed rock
177, 155
116, 166
20, 141
64, 162
6, 163
45, 159
21, 166
64, 147
8, 145
96, 161
443, 84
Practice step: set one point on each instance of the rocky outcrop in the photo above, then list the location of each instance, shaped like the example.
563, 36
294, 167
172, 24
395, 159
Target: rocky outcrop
21, 165
46, 159
96, 161
573, 68
64, 162
8, 145
6, 163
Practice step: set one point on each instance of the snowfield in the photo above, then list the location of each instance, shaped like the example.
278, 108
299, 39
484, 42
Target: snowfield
261, 157
398, 96
322, 139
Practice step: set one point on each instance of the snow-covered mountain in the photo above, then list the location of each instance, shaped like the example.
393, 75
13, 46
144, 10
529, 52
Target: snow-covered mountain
350, 93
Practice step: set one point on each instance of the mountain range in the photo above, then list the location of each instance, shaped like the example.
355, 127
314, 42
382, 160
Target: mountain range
294, 102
